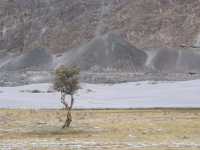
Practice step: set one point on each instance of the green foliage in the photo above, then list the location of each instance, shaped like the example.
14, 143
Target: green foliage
67, 79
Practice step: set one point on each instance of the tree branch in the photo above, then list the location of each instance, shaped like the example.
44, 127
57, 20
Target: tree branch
63, 100
72, 102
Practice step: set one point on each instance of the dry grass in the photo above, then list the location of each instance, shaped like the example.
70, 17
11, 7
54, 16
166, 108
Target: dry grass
155, 129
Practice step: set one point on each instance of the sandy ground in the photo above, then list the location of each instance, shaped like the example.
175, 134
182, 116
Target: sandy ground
147, 129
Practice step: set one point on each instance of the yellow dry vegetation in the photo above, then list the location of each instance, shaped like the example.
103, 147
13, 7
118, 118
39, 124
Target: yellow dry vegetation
141, 129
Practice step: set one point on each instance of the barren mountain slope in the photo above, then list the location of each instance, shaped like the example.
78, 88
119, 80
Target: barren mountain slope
108, 53
58, 25
151, 40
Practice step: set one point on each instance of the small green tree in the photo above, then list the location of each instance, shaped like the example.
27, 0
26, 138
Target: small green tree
67, 83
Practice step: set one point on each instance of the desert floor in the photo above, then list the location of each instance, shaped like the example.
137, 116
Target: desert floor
139, 129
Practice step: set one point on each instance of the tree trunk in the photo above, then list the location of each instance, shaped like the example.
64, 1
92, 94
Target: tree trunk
63, 99
68, 120
72, 102
69, 116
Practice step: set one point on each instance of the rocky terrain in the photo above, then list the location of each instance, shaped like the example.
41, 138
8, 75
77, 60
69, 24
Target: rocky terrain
110, 40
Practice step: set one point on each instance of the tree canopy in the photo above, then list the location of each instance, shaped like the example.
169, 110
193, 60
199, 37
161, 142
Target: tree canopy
67, 80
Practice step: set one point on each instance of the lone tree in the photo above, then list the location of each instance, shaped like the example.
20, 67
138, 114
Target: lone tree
67, 83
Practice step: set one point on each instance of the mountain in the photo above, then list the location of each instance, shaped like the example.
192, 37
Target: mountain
106, 53
177, 60
110, 40
57, 25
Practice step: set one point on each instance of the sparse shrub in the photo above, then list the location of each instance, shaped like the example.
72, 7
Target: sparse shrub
36, 91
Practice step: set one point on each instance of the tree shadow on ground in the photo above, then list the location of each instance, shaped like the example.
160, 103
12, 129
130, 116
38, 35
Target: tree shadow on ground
46, 131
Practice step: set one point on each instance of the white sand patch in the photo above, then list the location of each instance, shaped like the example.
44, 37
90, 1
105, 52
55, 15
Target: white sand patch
123, 95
